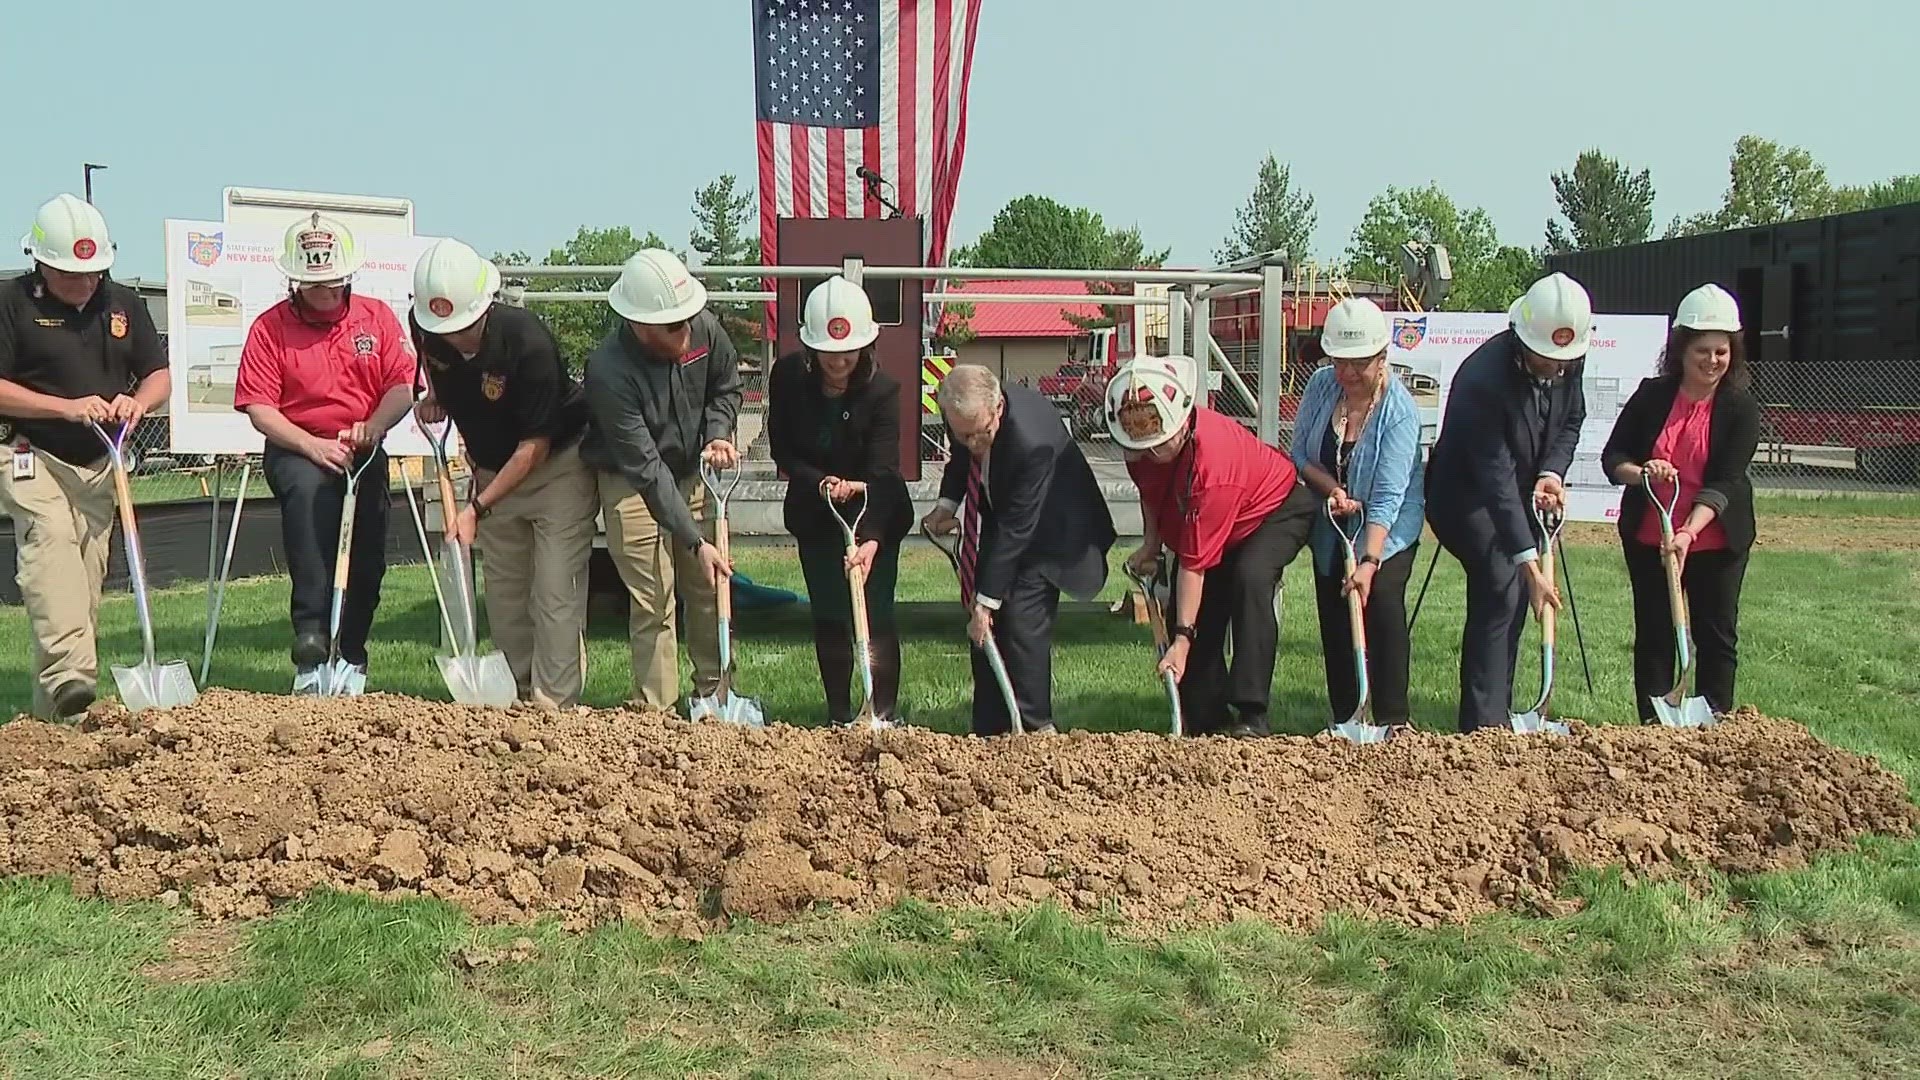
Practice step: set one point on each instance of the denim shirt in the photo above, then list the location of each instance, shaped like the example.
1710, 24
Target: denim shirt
1384, 472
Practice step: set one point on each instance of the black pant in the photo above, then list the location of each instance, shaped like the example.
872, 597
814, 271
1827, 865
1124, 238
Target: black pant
310, 503
1023, 629
1496, 615
1388, 653
1711, 582
1239, 593
823, 564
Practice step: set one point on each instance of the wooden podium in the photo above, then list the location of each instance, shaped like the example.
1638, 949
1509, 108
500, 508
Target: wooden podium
897, 302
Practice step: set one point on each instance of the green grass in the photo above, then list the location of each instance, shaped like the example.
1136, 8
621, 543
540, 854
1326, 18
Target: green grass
1810, 973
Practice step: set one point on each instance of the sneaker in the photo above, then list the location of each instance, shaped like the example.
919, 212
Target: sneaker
309, 649
71, 699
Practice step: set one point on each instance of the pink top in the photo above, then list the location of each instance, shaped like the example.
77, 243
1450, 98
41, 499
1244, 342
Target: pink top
1683, 441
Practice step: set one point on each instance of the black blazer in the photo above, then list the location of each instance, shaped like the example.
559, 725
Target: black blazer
854, 437
1493, 444
1042, 508
1732, 435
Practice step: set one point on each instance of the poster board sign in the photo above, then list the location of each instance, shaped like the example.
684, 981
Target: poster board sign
220, 277
1427, 348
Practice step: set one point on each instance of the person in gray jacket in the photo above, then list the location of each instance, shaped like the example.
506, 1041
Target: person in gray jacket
664, 389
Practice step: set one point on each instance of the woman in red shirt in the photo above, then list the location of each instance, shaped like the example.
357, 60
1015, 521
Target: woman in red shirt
1234, 513
1695, 425
323, 376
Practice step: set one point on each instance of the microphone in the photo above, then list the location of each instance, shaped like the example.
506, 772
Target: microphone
867, 174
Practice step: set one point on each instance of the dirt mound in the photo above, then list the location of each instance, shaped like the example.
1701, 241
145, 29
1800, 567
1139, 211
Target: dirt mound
245, 800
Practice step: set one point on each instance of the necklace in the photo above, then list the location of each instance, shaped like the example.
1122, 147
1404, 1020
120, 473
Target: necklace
1343, 420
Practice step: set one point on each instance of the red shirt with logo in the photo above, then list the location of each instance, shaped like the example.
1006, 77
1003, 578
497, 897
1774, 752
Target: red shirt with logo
324, 378
1216, 492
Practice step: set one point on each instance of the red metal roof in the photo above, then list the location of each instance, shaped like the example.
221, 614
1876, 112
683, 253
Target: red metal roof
1026, 320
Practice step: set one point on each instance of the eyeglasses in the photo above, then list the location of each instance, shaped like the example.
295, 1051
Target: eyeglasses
1352, 363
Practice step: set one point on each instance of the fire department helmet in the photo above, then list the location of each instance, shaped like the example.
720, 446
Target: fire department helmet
452, 287
1709, 307
1554, 318
655, 287
1162, 383
318, 248
1355, 329
69, 234
839, 317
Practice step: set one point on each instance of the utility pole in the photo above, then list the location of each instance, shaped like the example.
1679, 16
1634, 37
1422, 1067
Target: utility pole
87, 171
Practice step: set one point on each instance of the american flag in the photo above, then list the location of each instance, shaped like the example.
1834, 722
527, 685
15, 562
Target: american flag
841, 84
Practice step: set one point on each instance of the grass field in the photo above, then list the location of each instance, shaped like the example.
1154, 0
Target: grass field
1807, 974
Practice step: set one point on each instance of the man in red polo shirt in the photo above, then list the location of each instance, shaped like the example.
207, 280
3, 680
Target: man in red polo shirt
324, 374
1234, 513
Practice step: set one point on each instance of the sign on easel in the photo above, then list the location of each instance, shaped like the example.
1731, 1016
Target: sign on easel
221, 276
1427, 348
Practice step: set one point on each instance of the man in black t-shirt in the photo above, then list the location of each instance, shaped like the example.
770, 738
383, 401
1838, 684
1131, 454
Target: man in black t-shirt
497, 372
74, 347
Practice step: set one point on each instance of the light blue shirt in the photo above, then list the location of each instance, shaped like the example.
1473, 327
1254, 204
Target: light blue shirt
1384, 472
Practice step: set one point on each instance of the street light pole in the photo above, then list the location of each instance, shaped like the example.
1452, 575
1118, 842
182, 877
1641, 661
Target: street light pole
87, 171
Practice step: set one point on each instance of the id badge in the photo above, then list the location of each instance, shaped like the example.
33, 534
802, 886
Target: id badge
23, 462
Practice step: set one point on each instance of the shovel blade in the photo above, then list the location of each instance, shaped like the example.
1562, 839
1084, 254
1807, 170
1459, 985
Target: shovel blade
336, 679
1356, 732
1693, 712
1532, 723
155, 686
736, 710
480, 680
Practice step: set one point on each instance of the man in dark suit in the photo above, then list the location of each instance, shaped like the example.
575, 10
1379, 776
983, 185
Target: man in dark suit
1513, 419
1036, 526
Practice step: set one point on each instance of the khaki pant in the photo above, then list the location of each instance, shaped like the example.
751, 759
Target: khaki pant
62, 529
650, 560
536, 544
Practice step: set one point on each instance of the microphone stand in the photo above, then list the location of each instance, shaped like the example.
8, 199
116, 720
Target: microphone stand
873, 189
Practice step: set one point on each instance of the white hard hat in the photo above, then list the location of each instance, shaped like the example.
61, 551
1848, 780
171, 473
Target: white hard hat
452, 287
1709, 307
655, 287
69, 234
839, 317
1355, 328
1554, 318
1164, 382
318, 248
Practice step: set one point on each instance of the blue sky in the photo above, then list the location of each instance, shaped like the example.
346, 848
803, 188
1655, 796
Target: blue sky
511, 125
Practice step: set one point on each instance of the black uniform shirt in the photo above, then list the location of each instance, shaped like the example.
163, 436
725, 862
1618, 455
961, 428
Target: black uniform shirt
516, 387
102, 350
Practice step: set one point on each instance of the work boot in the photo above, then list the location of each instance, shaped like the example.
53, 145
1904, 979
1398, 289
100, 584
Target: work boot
71, 699
310, 647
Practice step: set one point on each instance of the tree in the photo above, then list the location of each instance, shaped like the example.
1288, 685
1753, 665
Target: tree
1275, 217
580, 326
1605, 204
1484, 273
1895, 192
1767, 184
1036, 232
721, 220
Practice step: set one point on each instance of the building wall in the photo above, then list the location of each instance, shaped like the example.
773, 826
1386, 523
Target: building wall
1014, 359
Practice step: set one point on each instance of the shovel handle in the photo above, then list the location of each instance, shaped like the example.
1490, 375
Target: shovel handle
723, 589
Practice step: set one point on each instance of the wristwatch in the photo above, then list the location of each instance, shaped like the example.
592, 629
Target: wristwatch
480, 510
1369, 557
1181, 631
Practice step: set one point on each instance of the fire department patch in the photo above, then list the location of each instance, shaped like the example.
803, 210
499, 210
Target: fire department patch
363, 344
84, 248
838, 328
1563, 337
203, 249
493, 386
117, 324
1409, 333
441, 306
